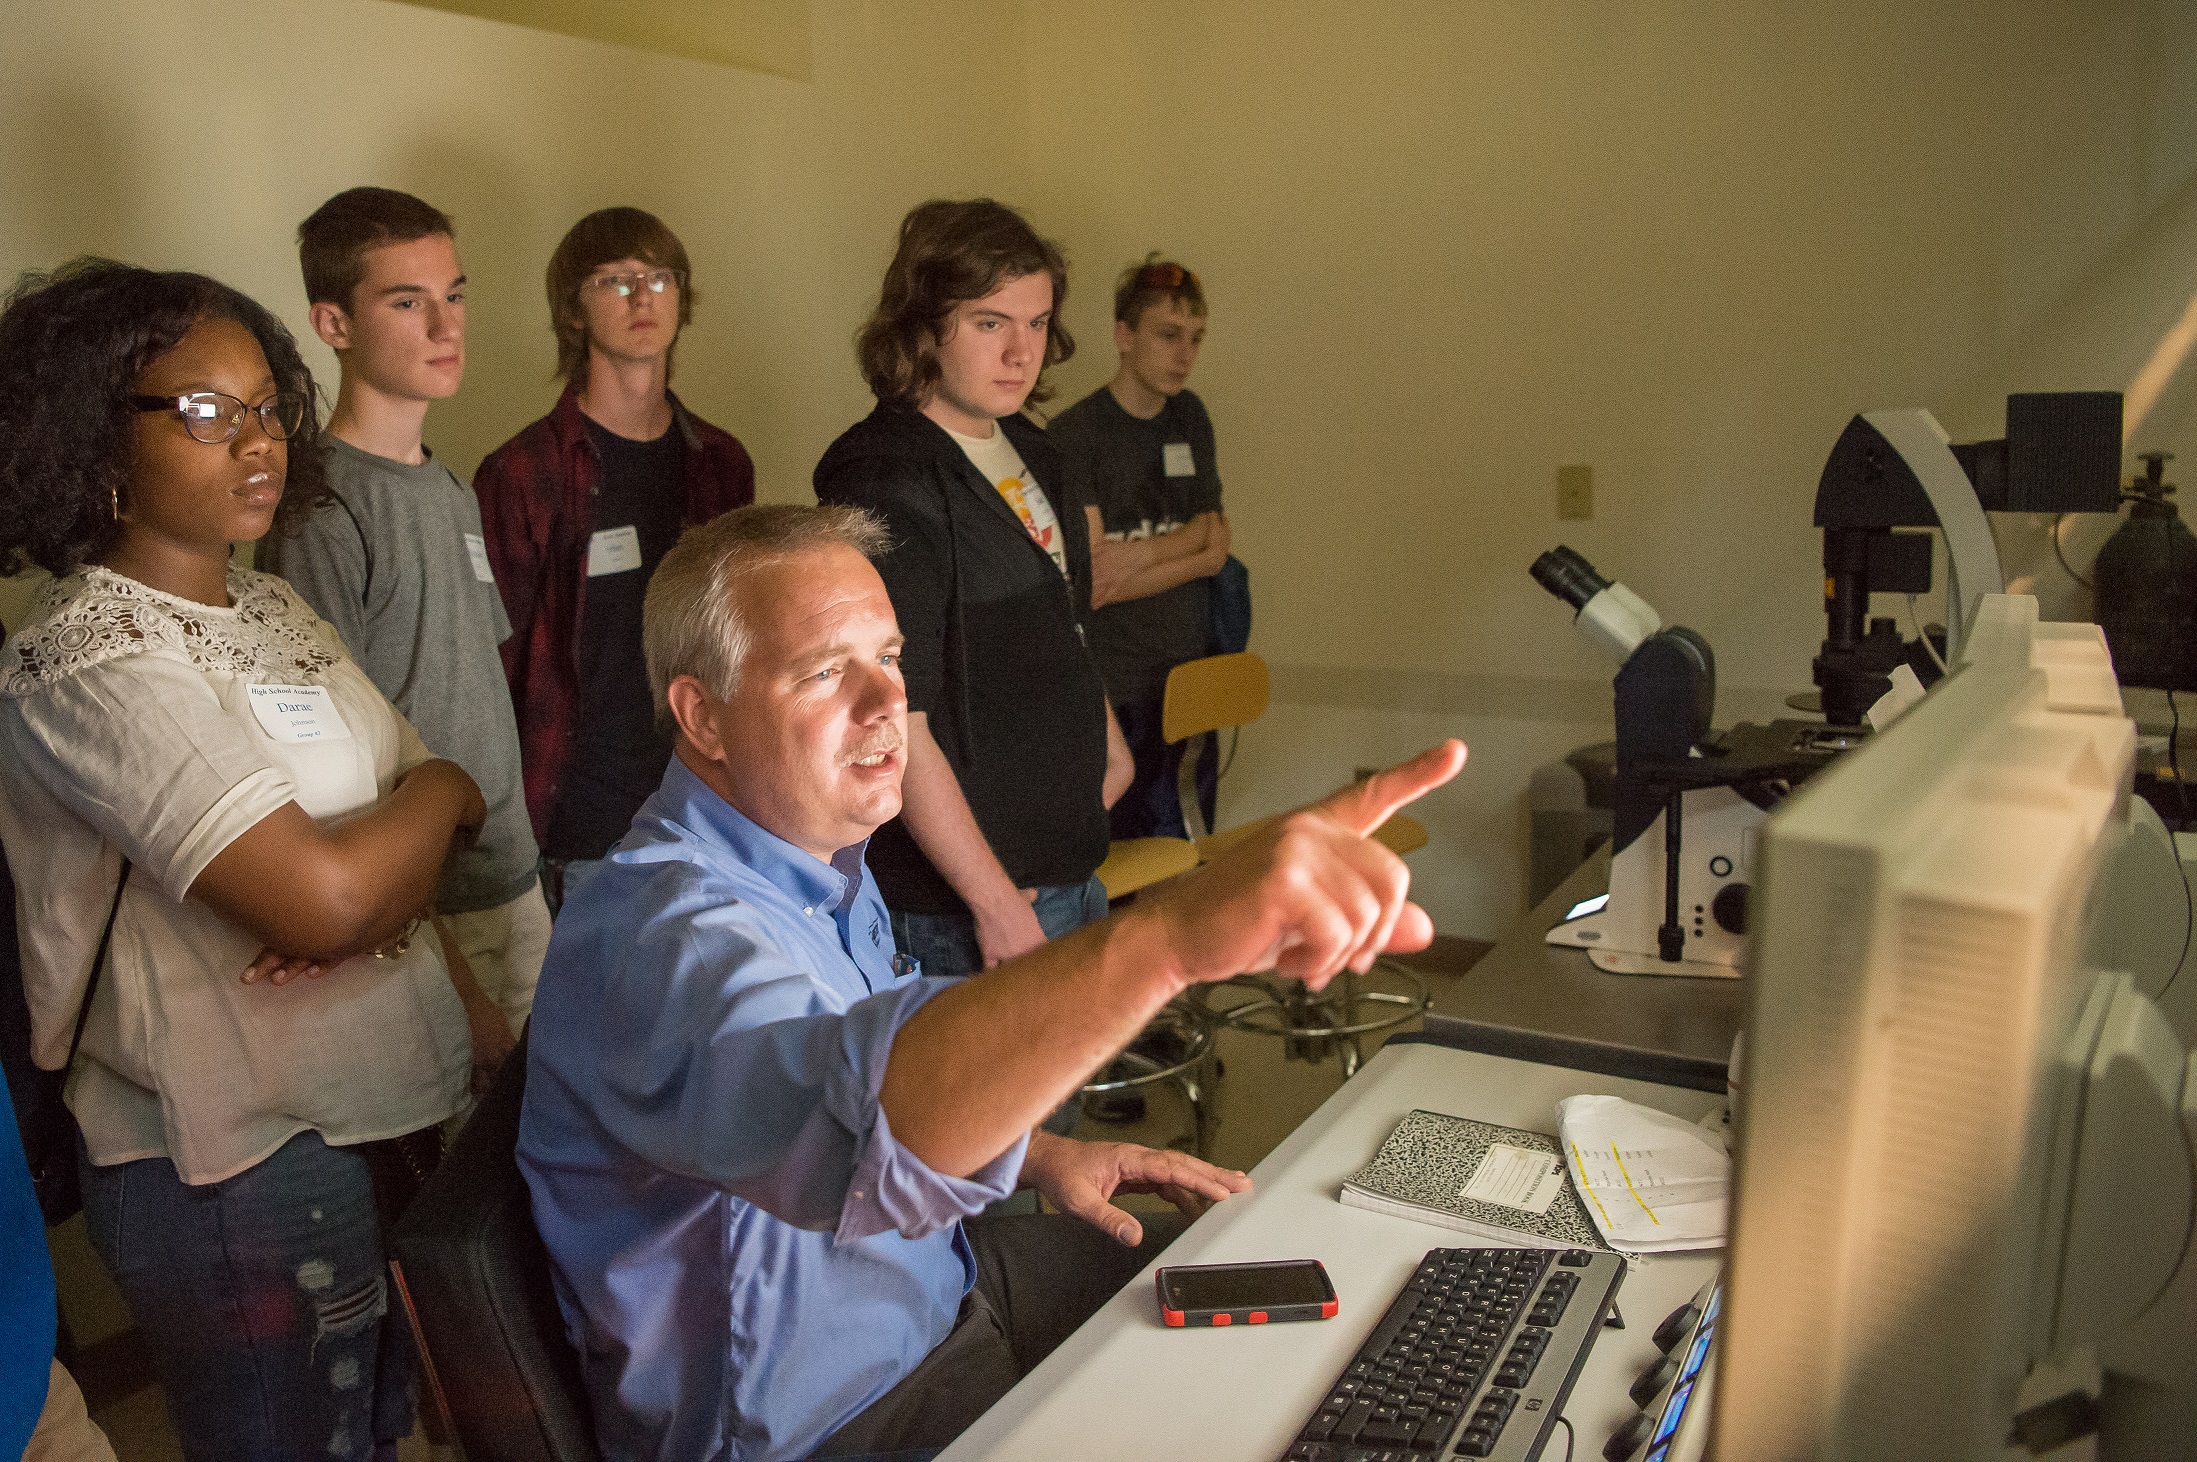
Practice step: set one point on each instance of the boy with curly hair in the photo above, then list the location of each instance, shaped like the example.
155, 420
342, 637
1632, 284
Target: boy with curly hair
1013, 755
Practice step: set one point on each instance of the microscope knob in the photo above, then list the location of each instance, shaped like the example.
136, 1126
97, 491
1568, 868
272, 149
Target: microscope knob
1651, 1381
1626, 1439
1729, 908
1676, 1326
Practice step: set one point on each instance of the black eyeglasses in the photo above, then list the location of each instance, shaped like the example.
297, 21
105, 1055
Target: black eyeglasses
214, 417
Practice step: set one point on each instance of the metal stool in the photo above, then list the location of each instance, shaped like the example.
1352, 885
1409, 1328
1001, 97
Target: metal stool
1311, 1025
1133, 864
1189, 1066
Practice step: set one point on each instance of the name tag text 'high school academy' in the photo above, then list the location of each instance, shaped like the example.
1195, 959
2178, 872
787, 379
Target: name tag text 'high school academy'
614, 551
476, 550
297, 713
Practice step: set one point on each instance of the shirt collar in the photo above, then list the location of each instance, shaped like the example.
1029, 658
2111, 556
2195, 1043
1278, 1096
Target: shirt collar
568, 424
686, 799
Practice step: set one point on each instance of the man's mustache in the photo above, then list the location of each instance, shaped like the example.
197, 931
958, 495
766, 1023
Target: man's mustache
878, 745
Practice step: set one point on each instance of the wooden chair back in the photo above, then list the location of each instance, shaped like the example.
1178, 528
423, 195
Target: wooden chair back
1213, 694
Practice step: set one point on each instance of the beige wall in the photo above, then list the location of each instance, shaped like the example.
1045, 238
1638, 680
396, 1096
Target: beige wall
1449, 248
124, 130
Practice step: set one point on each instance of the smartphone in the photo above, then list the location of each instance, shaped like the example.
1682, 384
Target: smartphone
1246, 1294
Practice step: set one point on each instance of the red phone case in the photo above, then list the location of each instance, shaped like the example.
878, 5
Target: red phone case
1244, 1315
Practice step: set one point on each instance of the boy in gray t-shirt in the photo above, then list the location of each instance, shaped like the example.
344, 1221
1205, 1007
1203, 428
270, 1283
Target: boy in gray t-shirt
398, 564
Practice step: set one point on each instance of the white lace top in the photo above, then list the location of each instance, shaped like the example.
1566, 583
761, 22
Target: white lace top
136, 724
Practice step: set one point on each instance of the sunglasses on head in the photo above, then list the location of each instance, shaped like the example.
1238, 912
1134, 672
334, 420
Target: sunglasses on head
1165, 276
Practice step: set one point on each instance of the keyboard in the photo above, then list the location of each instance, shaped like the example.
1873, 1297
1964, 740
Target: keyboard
1474, 1359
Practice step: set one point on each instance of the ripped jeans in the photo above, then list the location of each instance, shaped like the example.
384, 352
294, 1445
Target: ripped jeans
264, 1301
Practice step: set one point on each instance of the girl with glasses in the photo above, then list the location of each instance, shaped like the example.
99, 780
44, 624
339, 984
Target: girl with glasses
225, 838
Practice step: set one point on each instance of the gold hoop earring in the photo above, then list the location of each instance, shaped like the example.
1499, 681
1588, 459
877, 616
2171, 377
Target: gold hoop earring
114, 501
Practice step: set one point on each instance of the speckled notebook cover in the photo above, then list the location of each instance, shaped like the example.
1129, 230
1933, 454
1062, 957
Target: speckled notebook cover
1421, 1172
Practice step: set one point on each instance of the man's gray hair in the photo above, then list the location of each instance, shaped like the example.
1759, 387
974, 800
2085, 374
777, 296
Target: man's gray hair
690, 621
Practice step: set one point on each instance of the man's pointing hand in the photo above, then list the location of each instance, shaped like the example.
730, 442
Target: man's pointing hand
1311, 893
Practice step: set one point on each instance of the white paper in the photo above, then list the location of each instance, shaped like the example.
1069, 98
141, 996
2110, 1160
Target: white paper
1516, 1177
1650, 1181
1655, 1176
1176, 461
477, 550
297, 713
614, 551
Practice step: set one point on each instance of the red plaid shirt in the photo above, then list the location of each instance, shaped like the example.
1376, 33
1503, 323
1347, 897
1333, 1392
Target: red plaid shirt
536, 513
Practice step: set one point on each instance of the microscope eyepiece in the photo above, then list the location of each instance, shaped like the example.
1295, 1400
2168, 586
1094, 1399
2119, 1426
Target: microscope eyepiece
1611, 616
1568, 576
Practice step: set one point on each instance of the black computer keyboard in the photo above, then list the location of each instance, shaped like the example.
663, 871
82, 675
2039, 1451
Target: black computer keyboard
1474, 1359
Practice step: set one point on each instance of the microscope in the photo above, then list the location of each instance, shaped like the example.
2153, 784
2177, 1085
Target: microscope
1690, 802
1895, 471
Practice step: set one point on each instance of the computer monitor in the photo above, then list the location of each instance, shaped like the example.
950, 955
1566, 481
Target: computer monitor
1964, 1152
2146, 917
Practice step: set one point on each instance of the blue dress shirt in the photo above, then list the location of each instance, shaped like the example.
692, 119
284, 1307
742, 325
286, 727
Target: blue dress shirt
744, 1256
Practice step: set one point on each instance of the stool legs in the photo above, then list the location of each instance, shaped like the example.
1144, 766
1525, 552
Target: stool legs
1311, 1025
1348, 1053
1190, 1070
1197, 1085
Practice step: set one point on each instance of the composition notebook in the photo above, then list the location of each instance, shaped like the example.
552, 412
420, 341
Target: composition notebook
1497, 1183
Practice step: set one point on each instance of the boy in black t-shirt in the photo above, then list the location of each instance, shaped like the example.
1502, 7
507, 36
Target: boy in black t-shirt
578, 509
1143, 445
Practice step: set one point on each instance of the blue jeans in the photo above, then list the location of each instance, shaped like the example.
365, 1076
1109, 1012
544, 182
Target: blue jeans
264, 1301
946, 945
1152, 807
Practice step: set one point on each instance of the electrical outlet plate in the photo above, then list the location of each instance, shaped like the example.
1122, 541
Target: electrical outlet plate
1575, 492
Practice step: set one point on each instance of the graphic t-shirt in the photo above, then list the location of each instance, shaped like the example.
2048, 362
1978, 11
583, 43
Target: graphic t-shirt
1003, 468
1148, 477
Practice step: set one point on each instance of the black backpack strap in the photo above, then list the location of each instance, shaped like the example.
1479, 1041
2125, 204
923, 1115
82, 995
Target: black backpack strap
99, 962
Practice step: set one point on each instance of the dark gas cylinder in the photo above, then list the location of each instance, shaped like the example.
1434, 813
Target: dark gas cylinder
2146, 576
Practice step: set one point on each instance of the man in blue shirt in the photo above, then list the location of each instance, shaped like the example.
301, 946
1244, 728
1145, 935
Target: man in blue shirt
753, 1132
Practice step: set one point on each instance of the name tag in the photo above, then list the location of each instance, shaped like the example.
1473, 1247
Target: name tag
477, 550
295, 713
613, 551
1175, 460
